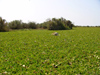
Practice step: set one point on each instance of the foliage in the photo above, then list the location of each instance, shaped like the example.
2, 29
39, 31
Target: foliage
37, 52
57, 24
32, 25
3, 25
54, 24
25, 26
16, 24
43, 25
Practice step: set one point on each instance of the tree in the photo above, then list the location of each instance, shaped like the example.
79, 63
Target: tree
32, 25
69, 24
3, 25
16, 24
25, 26
59, 24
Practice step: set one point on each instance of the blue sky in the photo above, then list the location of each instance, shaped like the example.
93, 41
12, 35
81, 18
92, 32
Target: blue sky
80, 12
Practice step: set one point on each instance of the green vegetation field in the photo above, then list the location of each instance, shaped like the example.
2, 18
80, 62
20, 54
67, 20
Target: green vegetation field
37, 52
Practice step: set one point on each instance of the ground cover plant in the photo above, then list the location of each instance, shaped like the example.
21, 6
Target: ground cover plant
31, 52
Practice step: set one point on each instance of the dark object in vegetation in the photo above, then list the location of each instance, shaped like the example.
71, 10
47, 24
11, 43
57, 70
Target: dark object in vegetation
55, 66
55, 33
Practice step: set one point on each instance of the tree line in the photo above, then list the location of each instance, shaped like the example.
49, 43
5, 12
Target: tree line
50, 24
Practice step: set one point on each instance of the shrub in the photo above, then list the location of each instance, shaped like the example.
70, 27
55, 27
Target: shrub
25, 26
32, 25
59, 24
3, 25
16, 24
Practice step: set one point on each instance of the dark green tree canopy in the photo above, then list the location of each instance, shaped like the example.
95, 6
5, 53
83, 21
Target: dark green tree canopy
50, 24
3, 25
57, 24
